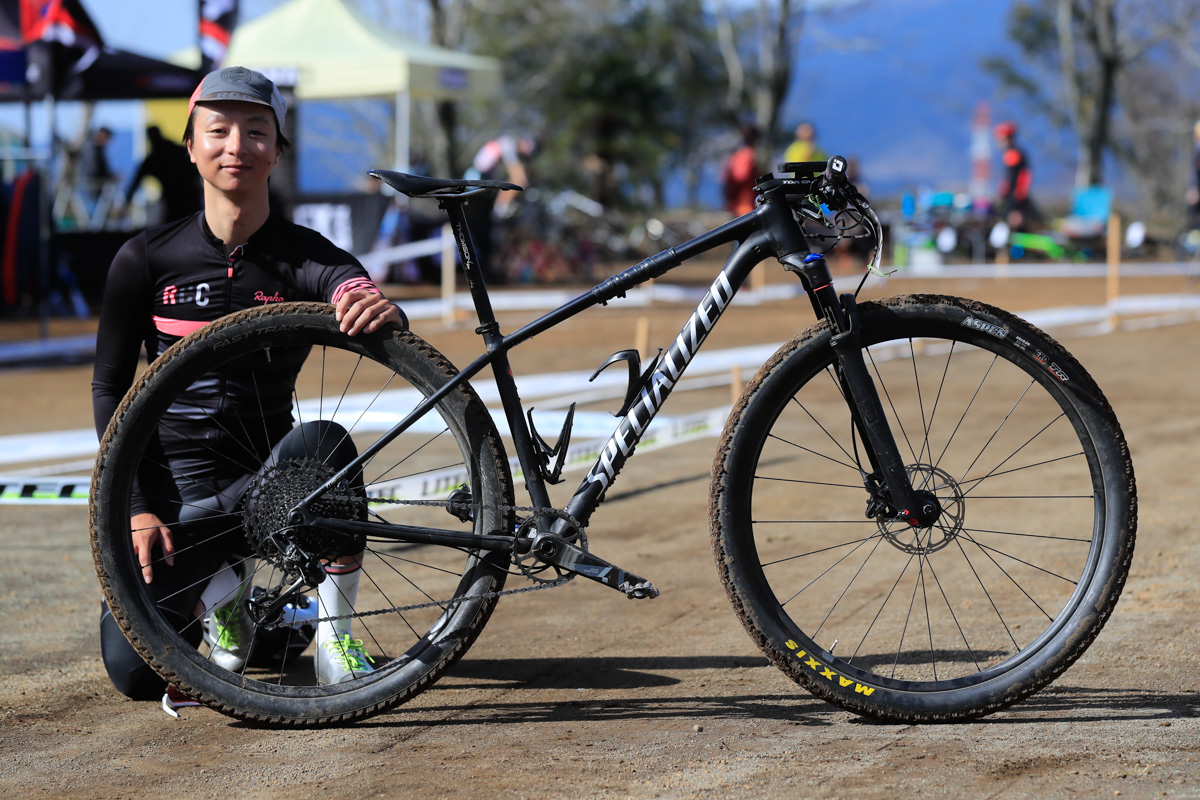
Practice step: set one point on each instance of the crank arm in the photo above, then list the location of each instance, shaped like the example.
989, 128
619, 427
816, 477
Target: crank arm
555, 550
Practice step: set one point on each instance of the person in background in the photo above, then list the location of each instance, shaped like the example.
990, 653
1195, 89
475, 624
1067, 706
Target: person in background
739, 173
1193, 191
502, 158
1014, 203
805, 147
170, 165
93, 159
95, 175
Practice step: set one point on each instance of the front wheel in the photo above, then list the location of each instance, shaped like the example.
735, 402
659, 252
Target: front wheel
1017, 576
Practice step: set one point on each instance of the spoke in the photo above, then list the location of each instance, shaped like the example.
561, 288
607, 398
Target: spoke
1033, 496
385, 557
987, 594
908, 615
186, 480
362, 620
936, 402
912, 356
255, 459
953, 616
881, 607
977, 481
380, 482
815, 453
888, 395
261, 416
966, 411
996, 432
1029, 535
834, 564
928, 622
810, 483
321, 392
989, 549
1011, 456
1014, 580
379, 478
368, 406
824, 430
345, 389
388, 601
202, 580
815, 552
853, 578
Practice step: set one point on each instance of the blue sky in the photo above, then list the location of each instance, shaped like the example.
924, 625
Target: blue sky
893, 82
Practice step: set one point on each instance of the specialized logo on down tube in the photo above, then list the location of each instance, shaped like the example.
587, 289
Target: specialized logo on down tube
663, 380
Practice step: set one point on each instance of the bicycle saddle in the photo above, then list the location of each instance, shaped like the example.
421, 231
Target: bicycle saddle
420, 186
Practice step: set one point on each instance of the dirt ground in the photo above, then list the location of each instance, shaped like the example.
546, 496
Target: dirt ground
580, 693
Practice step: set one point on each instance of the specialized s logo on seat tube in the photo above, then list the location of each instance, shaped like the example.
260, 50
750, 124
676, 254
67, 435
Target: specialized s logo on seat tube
658, 387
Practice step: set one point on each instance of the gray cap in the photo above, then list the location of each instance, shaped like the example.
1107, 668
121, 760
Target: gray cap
239, 83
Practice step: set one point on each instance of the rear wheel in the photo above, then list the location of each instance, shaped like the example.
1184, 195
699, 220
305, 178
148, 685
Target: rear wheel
419, 607
1038, 510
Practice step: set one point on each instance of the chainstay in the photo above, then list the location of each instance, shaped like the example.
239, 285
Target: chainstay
454, 601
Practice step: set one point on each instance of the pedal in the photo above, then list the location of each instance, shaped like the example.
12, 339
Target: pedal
639, 591
555, 550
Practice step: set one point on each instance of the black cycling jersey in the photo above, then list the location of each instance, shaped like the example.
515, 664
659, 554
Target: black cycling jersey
172, 280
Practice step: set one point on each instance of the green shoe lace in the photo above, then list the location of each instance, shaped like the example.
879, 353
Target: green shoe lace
229, 632
348, 653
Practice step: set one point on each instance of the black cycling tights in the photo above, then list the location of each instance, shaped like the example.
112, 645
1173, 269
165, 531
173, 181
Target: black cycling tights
204, 540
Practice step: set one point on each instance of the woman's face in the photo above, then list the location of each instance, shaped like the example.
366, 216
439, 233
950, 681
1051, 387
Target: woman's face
234, 146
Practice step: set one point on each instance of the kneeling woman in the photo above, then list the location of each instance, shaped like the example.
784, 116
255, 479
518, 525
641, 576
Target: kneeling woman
166, 283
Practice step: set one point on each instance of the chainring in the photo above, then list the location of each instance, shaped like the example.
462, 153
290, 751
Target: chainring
529, 564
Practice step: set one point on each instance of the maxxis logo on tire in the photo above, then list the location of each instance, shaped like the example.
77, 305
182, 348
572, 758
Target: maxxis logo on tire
825, 671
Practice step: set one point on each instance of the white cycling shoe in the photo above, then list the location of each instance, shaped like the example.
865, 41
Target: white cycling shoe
229, 632
341, 659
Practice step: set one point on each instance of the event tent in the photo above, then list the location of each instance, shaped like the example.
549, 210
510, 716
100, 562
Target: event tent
327, 50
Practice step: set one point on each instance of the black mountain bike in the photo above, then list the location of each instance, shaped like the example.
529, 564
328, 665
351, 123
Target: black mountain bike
922, 508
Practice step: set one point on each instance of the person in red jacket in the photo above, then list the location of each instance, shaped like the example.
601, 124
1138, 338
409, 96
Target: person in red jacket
1014, 203
739, 173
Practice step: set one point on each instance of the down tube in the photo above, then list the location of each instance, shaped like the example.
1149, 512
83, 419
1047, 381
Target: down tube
664, 378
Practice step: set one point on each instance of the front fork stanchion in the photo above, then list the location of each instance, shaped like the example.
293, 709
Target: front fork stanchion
917, 509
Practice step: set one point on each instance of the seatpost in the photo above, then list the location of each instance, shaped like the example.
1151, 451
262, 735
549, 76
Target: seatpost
469, 256
489, 329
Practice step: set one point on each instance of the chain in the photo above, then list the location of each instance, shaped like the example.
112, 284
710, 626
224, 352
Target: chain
454, 601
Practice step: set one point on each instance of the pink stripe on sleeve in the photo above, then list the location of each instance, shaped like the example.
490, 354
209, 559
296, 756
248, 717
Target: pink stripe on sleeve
177, 327
354, 284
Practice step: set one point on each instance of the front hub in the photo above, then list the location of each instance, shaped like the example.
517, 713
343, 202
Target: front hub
937, 522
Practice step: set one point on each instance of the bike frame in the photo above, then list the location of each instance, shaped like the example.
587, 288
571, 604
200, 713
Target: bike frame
769, 230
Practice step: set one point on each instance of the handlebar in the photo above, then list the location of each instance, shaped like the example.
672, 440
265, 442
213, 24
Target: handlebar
825, 186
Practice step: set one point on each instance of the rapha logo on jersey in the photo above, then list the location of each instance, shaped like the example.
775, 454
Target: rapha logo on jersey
268, 298
999, 331
658, 386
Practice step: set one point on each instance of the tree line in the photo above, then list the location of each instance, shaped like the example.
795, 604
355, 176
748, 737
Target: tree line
620, 92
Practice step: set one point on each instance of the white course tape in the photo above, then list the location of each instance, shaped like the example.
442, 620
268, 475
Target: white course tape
557, 389
663, 432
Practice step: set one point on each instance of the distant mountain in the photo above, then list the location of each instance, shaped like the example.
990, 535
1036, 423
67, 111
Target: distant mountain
896, 82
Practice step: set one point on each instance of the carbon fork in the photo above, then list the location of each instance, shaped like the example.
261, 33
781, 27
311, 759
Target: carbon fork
888, 484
